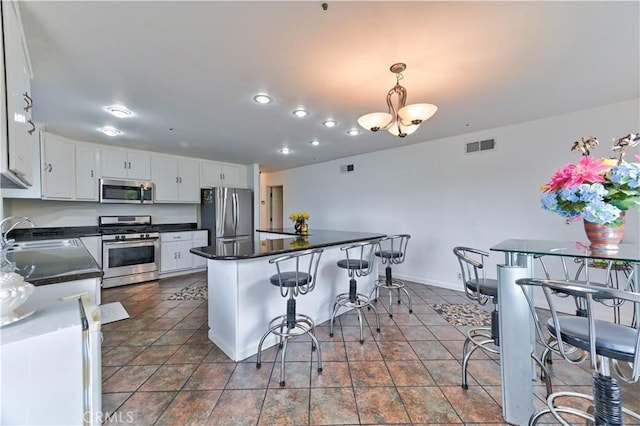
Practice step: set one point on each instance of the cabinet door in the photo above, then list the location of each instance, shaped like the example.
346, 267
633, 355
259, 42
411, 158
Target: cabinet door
168, 256
113, 163
189, 181
231, 176
139, 166
58, 179
199, 240
20, 127
164, 173
210, 174
86, 173
185, 258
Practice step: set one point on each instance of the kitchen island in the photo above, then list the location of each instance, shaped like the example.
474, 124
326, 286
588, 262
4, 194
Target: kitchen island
241, 299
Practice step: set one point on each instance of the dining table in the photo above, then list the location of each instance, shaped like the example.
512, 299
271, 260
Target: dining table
516, 327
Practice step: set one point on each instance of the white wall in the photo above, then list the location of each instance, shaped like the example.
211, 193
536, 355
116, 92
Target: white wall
48, 213
444, 197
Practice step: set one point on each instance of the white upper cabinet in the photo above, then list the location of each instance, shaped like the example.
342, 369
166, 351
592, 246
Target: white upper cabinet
221, 174
87, 172
69, 169
21, 131
58, 178
125, 164
176, 179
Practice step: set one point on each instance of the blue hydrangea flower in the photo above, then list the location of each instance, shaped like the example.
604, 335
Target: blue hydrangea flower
592, 193
626, 174
600, 212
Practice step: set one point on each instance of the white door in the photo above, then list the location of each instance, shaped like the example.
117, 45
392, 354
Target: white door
164, 173
274, 211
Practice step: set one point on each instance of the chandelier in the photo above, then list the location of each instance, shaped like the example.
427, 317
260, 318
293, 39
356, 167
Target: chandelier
401, 120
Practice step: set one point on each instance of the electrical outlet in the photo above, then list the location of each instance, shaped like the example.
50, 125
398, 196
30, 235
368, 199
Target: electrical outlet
459, 275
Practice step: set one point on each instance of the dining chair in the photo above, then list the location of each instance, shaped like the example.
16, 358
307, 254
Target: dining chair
480, 289
577, 338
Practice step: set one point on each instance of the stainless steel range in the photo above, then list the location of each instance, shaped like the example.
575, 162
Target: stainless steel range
130, 250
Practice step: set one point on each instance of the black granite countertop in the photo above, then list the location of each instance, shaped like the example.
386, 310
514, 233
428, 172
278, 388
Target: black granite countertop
28, 234
283, 231
249, 249
55, 265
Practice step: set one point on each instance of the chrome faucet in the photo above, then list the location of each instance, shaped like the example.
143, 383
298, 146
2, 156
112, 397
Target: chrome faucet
5, 243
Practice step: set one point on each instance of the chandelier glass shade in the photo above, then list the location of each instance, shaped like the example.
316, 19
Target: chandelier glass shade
400, 120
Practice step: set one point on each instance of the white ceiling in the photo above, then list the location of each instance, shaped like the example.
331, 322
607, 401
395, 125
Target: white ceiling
189, 70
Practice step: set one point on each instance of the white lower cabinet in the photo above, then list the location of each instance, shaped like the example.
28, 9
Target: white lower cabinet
200, 239
175, 249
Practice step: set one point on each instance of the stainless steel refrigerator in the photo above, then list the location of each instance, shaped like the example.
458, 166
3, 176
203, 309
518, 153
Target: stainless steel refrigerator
227, 213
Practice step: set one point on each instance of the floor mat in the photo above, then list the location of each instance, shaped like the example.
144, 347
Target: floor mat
467, 314
112, 312
191, 293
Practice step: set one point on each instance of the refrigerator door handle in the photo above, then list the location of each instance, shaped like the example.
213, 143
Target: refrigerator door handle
235, 212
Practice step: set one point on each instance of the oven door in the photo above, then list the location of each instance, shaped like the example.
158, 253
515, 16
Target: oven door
130, 257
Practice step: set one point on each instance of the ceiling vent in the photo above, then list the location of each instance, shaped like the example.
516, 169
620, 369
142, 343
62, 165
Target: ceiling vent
478, 146
346, 168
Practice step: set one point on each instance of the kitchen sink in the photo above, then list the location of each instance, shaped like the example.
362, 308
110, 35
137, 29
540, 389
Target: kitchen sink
44, 244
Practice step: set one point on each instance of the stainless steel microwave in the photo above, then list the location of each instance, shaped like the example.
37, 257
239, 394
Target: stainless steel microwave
126, 191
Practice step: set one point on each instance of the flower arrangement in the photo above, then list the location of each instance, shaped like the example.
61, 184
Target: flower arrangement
596, 189
299, 217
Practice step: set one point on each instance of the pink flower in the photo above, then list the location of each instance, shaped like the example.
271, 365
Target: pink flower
589, 170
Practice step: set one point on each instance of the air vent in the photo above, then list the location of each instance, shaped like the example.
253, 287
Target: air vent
347, 168
478, 146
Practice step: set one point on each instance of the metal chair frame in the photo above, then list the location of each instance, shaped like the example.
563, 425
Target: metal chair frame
391, 251
294, 324
472, 268
362, 254
607, 406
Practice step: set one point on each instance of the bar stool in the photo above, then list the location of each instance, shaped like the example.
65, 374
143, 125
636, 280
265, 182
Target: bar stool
391, 250
299, 281
359, 263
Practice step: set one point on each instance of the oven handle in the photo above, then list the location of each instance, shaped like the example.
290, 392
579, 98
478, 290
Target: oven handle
149, 242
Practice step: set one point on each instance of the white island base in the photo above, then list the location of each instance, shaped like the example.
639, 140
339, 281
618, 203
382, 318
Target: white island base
242, 301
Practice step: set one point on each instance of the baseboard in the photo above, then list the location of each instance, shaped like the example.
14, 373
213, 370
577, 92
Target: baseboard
182, 272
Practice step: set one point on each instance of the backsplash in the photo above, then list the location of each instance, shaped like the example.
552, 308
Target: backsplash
47, 213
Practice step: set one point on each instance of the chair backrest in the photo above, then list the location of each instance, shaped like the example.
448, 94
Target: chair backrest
615, 338
302, 266
361, 253
472, 269
392, 249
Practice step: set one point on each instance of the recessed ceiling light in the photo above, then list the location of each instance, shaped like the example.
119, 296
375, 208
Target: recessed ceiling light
285, 151
300, 113
353, 132
110, 131
330, 123
261, 98
119, 111
314, 143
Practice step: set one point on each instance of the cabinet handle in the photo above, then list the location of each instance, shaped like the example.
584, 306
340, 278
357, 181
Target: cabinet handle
28, 101
50, 168
180, 179
175, 255
178, 255
47, 167
129, 165
33, 127
177, 179
125, 164
91, 173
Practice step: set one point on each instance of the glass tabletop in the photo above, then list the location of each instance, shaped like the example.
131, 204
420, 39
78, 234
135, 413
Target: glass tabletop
626, 252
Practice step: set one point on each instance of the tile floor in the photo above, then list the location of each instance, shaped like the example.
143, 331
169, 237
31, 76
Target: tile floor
159, 368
